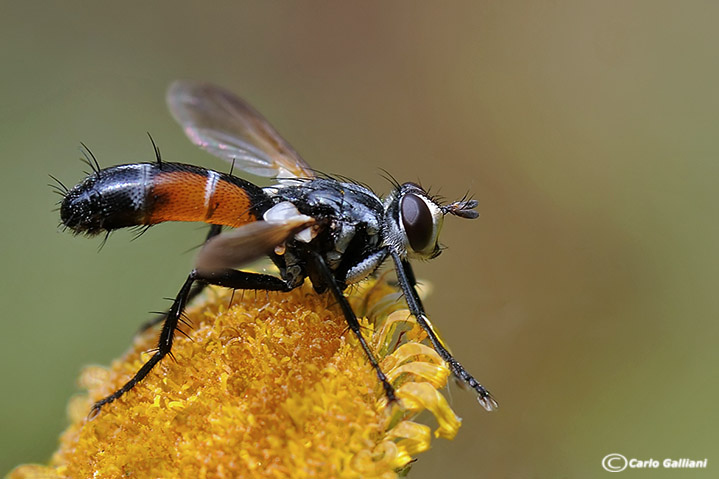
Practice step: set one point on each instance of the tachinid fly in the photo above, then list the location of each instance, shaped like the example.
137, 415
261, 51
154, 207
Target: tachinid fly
333, 232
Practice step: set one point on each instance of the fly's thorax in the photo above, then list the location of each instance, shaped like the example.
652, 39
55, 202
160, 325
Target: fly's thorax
343, 208
349, 225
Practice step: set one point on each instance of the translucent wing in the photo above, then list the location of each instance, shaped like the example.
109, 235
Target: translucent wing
249, 242
226, 126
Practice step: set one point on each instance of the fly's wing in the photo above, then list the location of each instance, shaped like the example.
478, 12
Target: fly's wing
228, 127
248, 243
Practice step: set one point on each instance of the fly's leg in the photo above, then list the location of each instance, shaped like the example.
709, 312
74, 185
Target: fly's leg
228, 278
407, 282
412, 280
194, 292
197, 288
352, 322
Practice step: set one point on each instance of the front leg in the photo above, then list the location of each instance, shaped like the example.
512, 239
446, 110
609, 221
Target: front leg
407, 281
328, 279
228, 278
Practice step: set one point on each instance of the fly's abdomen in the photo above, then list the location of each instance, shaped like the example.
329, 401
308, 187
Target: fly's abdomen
150, 193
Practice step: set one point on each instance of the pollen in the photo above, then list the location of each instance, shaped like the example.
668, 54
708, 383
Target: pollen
269, 385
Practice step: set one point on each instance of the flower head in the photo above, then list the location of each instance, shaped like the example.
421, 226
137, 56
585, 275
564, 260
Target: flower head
265, 385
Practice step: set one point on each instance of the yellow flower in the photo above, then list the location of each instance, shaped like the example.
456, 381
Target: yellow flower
271, 385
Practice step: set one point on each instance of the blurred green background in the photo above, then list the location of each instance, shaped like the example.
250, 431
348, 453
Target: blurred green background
584, 296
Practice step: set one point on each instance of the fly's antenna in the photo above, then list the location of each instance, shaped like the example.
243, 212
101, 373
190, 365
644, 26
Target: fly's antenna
158, 155
89, 159
464, 208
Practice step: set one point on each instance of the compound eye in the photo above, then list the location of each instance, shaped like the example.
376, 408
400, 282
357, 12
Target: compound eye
418, 222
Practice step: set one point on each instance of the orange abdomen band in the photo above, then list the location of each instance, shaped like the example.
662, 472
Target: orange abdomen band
206, 196
150, 193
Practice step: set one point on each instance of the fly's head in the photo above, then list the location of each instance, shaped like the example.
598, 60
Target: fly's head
414, 220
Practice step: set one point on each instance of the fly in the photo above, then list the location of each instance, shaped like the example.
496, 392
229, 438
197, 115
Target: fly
334, 232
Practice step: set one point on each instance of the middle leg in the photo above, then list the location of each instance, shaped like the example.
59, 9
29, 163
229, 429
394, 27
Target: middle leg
352, 322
